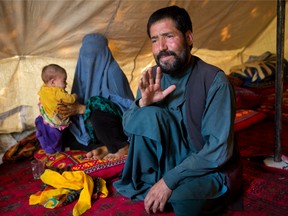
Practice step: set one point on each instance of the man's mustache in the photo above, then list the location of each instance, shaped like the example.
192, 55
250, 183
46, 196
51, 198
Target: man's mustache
165, 53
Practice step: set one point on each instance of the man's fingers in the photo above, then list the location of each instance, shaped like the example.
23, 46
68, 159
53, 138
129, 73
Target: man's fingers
144, 78
150, 75
169, 90
140, 84
158, 76
147, 205
155, 207
161, 207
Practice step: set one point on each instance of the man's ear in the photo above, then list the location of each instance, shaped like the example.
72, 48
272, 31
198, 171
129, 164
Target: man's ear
189, 37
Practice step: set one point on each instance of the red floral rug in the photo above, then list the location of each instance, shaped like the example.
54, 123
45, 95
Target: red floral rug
265, 193
265, 189
17, 184
258, 139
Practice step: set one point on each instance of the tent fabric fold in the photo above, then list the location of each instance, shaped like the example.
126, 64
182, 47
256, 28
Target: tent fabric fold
36, 33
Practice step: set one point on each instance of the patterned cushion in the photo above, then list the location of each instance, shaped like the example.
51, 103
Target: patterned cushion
75, 160
245, 118
258, 70
247, 98
23, 149
268, 105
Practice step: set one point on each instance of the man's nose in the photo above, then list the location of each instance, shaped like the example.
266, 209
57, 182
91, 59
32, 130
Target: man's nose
162, 44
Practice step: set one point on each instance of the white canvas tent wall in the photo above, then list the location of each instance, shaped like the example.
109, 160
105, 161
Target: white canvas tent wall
34, 33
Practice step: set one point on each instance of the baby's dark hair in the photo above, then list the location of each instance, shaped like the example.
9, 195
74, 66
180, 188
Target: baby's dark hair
51, 71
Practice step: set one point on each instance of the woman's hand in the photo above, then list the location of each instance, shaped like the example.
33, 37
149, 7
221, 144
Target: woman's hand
151, 89
66, 109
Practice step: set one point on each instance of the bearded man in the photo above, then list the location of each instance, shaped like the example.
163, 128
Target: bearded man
182, 151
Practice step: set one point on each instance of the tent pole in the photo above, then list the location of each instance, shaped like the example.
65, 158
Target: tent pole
279, 79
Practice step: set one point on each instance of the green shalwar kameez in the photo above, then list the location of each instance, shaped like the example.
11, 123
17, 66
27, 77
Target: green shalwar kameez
162, 148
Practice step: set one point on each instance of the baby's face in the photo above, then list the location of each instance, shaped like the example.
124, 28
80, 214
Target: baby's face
60, 81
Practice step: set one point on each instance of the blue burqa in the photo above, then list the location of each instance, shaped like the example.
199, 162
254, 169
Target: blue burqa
98, 74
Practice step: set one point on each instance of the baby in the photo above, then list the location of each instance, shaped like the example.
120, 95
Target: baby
49, 125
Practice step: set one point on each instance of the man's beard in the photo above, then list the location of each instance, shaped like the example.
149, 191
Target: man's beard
172, 68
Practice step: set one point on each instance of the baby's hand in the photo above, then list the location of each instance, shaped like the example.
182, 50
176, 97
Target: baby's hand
75, 95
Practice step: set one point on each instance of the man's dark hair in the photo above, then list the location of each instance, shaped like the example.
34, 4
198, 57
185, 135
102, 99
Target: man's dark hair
179, 15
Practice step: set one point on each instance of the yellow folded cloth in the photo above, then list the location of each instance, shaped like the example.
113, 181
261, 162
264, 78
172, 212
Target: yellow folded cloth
63, 184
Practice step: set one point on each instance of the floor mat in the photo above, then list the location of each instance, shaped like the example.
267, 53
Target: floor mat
265, 193
265, 189
258, 139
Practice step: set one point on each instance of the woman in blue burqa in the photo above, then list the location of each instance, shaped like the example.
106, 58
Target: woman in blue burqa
103, 95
